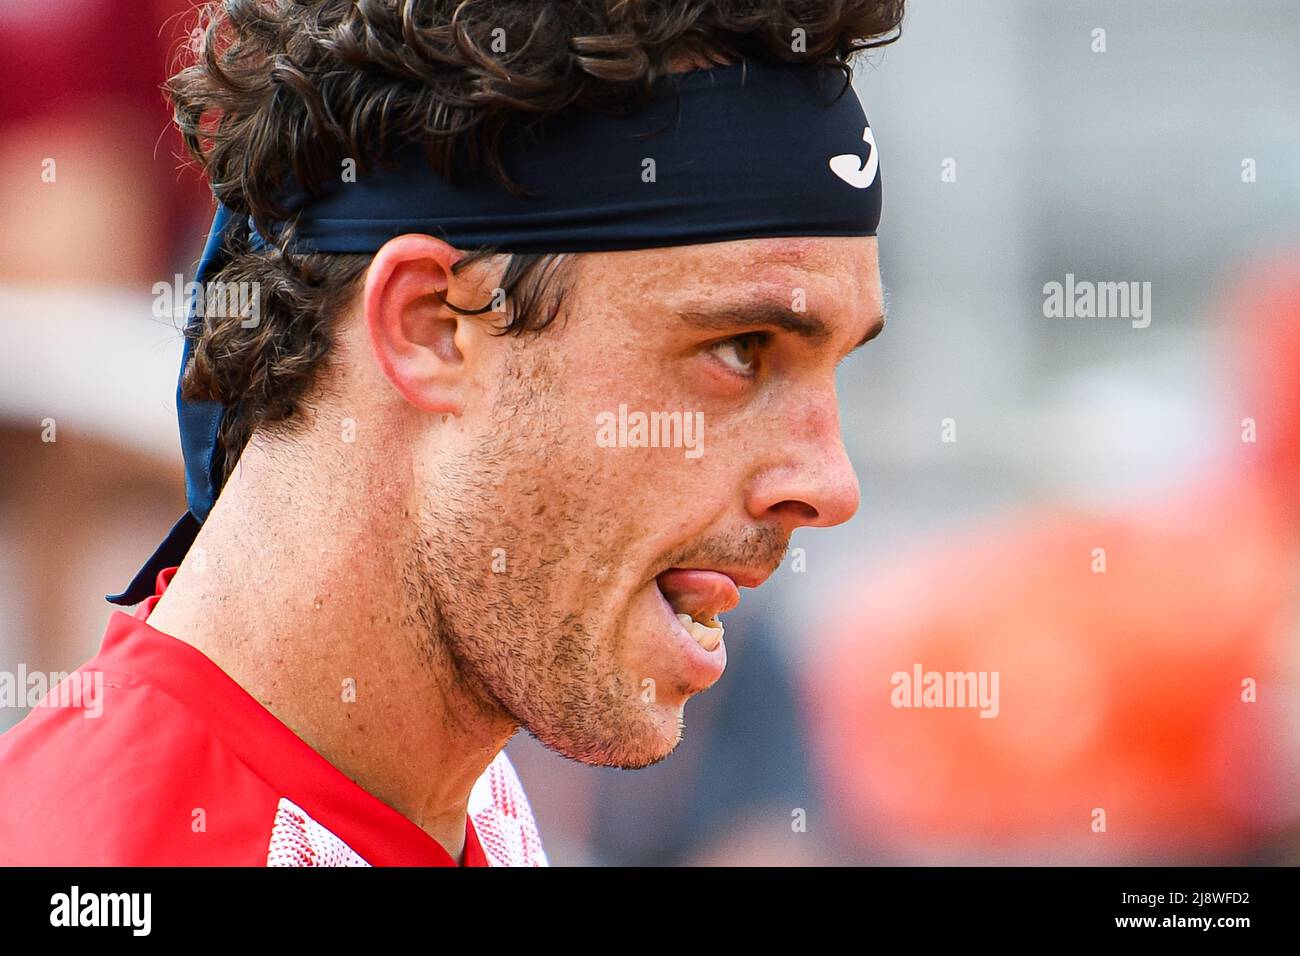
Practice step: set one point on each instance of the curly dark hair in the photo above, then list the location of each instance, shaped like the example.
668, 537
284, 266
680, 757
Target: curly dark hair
280, 88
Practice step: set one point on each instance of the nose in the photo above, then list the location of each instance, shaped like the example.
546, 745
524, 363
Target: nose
810, 481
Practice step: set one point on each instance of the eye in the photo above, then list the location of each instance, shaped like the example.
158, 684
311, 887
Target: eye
740, 353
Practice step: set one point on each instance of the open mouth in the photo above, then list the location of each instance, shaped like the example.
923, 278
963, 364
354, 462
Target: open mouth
708, 634
697, 597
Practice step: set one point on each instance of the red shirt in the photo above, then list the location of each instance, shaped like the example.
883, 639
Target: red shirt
164, 760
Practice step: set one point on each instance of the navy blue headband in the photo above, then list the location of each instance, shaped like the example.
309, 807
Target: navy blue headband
753, 150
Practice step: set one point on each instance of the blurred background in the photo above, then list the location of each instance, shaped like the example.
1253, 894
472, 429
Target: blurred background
1104, 515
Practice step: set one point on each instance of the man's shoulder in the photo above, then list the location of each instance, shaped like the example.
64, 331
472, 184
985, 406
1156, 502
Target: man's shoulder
150, 755
110, 770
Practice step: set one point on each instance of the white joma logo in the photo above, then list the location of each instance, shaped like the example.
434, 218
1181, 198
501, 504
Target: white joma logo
850, 167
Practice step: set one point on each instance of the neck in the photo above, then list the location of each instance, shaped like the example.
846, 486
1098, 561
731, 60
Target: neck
298, 599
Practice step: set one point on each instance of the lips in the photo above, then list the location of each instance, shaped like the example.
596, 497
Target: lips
697, 597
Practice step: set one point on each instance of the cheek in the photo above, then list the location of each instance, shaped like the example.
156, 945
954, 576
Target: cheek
594, 482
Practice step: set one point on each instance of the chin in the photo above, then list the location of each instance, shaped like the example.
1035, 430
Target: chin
660, 740
626, 710
629, 741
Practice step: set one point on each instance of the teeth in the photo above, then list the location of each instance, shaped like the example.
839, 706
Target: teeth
708, 637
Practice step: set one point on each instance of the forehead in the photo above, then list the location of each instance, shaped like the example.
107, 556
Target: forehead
842, 268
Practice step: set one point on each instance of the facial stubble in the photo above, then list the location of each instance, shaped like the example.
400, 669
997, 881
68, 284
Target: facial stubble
493, 551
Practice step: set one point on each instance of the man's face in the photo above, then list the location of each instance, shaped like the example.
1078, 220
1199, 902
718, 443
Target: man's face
546, 537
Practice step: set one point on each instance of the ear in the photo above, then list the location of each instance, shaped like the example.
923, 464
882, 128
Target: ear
420, 343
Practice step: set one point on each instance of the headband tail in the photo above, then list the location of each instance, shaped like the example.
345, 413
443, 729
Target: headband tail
200, 425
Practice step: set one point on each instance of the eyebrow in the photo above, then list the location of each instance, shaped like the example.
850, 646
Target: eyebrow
754, 314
